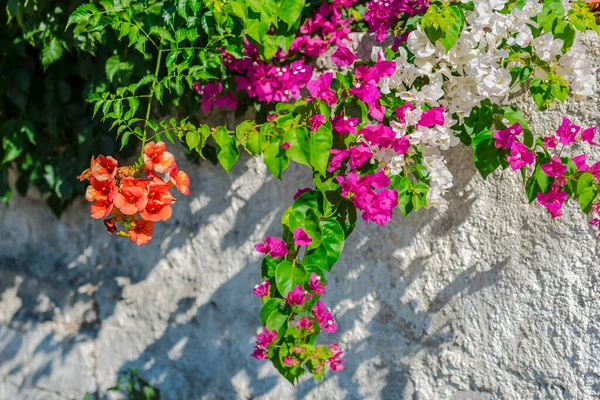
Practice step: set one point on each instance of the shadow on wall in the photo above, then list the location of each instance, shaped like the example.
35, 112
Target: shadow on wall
205, 347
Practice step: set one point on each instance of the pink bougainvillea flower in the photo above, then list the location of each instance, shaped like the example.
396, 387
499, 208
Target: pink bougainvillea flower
335, 362
142, 232
581, 162
278, 248
264, 246
550, 142
338, 158
262, 289
553, 200
316, 121
367, 92
290, 361
377, 111
259, 354
324, 317
555, 167
383, 204
133, 196
305, 324
263, 341
401, 145
343, 57
506, 137
156, 158
209, 97
567, 131
103, 168
434, 116
588, 135
300, 192
301, 238
359, 155
320, 88
401, 112
273, 246
379, 134
344, 125
595, 170
378, 180
382, 68
520, 156
297, 297
228, 100
560, 181
285, 145
317, 287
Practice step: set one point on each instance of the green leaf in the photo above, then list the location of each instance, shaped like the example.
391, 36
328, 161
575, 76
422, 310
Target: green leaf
288, 276
586, 199
51, 52
586, 191
125, 139
333, 241
227, 150
256, 29
82, 14
514, 115
267, 308
158, 91
317, 257
12, 7
320, 145
161, 32
134, 104
443, 23
275, 159
290, 11
277, 321
192, 139
485, 154
299, 142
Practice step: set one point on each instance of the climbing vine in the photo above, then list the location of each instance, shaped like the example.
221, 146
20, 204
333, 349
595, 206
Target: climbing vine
373, 131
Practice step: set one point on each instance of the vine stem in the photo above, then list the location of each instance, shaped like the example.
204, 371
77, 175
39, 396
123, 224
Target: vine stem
151, 97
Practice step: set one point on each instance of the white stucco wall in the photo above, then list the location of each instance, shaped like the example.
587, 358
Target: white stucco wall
489, 300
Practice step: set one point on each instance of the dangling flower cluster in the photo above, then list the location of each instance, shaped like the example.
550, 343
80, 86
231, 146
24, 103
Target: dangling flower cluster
307, 314
134, 197
563, 174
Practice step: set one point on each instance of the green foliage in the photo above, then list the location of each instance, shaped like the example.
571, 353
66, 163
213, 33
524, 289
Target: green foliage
444, 23
132, 387
45, 127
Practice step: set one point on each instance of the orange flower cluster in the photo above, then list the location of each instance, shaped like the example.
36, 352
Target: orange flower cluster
135, 198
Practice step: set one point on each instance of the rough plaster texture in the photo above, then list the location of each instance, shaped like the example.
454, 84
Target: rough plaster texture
489, 300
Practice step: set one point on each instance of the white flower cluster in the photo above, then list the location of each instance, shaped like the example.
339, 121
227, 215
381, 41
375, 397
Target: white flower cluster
473, 70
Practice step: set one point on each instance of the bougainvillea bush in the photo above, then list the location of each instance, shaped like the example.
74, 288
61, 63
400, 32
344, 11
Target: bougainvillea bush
373, 132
